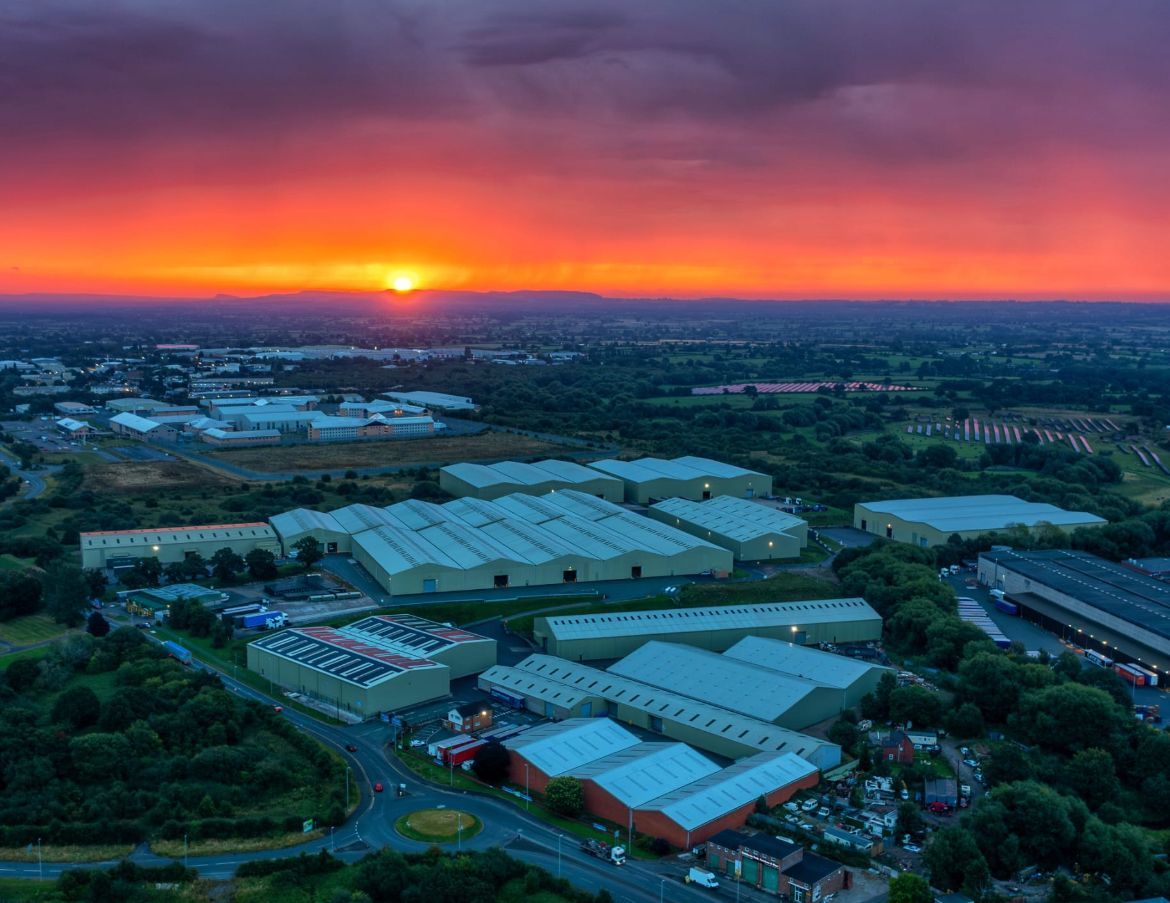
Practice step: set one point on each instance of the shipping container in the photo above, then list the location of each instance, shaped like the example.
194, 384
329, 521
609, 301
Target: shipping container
257, 619
1151, 676
1007, 607
1131, 675
1098, 659
461, 754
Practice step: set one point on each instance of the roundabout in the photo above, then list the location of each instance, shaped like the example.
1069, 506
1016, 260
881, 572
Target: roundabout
438, 825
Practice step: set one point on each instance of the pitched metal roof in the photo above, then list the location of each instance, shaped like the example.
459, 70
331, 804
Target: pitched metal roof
965, 513
824, 668
561, 747
339, 655
638, 774
727, 515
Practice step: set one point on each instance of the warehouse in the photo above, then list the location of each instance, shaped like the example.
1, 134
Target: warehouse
239, 438
662, 789
932, 521
300, 523
490, 481
74, 429
1105, 607
750, 530
387, 409
378, 664
432, 400
558, 689
610, 636
172, 544
691, 814
565, 537
731, 684
698, 479
853, 678
136, 427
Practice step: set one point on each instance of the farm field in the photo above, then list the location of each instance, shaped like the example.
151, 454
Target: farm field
406, 453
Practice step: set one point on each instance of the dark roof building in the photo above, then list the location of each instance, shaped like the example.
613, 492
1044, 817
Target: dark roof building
775, 865
1107, 607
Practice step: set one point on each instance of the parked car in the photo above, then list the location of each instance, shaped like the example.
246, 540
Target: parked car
823, 812
809, 805
973, 763
278, 709
791, 806
911, 848
965, 752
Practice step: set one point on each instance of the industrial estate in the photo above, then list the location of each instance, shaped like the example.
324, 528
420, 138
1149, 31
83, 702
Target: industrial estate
672, 663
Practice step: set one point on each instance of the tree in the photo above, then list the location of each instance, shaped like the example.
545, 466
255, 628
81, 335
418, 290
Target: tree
491, 763
309, 551
909, 819
565, 796
915, 705
1092, 775
66, 593
96, 582
149, 569
22, 674
261, 564
1069, 717
909, 888
97, 625
225, 564
77, 707
954, 860
20, 594
966, 722
844, 734
991, 682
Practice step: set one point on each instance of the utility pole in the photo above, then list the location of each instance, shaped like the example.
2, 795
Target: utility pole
331, 847
661, 889
459, 831
184, 851
40, 861
561, 837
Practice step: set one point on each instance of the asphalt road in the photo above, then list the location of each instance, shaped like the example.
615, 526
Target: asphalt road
34, 482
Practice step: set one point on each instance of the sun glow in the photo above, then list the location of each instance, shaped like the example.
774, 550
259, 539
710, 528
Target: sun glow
402, 283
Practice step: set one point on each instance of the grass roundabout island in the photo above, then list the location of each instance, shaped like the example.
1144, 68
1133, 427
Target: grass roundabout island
438, 825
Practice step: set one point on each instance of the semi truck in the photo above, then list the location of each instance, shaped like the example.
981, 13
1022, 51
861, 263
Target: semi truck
1129, 674
260, 618
178, 652
614, 854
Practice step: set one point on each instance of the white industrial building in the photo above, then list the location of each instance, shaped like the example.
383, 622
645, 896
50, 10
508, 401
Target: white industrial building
729, 683
431, 400
689, 477
611, 635
565, 537
490, 481
852, 677
141, 428
753, 531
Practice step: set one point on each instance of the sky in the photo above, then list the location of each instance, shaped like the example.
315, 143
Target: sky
767, 149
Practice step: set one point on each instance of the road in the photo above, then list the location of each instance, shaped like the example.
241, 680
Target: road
34, 482
371, 827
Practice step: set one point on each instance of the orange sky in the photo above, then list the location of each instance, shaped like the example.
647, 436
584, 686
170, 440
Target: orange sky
809, 150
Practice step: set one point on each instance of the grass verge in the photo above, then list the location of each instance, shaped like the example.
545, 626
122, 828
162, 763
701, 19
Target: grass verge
58, 853
217, 846
438, 825
38, 652
29, 629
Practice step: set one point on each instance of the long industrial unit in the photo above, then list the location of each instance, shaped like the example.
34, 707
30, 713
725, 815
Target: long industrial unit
689, 477
751, 530
490, 481
174, 544
610, 636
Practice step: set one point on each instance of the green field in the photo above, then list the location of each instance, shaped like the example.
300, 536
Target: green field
30, 629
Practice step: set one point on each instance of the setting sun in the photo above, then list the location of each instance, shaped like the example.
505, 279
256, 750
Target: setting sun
402, 283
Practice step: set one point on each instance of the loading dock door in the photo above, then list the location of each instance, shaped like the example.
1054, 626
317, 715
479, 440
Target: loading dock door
771, 880
569, 576
500, 581
751, 871
430, 585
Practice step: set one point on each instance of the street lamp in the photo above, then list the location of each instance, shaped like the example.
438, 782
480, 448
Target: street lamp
184, 851
661, 889
526, 795
459, 830
561, 837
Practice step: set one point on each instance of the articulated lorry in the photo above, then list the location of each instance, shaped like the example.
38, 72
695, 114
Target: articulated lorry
600, 849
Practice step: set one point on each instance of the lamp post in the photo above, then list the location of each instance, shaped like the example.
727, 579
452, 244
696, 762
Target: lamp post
331, 847
561, 837
459, 831
41, 862
661, 889
184, 851
526, 795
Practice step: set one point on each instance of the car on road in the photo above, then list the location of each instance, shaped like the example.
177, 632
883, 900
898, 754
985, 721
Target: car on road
378, 787
278, 709
350, 747
415, 744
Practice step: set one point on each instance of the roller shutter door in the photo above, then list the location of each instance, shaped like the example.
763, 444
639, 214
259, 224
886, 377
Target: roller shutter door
751, 871
771, 882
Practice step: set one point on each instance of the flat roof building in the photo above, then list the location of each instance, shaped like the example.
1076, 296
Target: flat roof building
688, 477
555, 688
433, 400
490, 481
174, 544
378, 664
612, 635
732, 684
932, 521
1095, 603
750, 530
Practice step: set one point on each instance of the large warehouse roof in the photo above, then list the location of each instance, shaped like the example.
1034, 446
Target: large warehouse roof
638, 774
714, 678
965, 513
516, 473
744, 782
736, 518
542, 675
304, 520
560, 747
334, 653
1100, 584
159, 536
824, 668
767, 614
412, 635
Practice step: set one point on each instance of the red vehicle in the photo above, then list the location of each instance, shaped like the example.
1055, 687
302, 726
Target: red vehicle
939, 808
378, 787
278, 709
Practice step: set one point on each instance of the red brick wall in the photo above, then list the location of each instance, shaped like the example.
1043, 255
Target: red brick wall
785, 793
600, 803
537, 779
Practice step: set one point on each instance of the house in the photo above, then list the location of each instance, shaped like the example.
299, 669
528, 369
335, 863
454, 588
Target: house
775, 866
925, 739
897, 747
469, 717
849, 840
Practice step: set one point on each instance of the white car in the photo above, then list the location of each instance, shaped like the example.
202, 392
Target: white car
911, 848
415, 744
809, 805
823, 812
792, 807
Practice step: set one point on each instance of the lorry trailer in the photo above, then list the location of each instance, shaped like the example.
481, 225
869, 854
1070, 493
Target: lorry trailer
178, 652
612, 854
